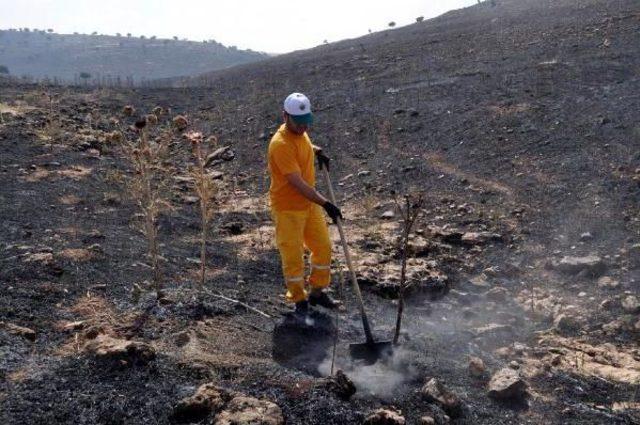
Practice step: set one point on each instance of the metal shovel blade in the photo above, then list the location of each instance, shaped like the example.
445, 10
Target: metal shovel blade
371, 351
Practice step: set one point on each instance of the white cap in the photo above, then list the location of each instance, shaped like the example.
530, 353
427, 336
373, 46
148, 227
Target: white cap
298, 106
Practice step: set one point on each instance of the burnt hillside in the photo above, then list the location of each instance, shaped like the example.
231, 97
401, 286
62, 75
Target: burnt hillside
529, 102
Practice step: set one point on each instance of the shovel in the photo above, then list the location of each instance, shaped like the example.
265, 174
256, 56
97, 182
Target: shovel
371, 350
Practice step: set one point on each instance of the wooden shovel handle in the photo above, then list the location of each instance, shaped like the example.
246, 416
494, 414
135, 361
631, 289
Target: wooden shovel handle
354, 281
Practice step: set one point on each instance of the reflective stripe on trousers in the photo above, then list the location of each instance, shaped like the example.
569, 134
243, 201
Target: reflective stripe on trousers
294, 231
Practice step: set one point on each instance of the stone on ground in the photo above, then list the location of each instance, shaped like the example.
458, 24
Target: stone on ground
26, 333
607, 282
126, 352
243, 410
341, 385
506, 384
207, 399
591, 264
477, 238
384, 417
566, 324
434, 391
476, 367
631, 304
427, 420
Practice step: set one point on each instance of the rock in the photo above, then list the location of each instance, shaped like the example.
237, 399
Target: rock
418, 247
92, 332
613, 327
243, 410
223, 154
434, 391
591, 264
120, 350
450, 236
189, 199
341, 385
182, 338
26, 333
364, 173
607, 282
478, 238
427, 420
384, 417
631, 304
215, 175
586, 236
388, 215
74, 326
207, 399
493, 330
234, 227
497, 294
567, 325
506, 384
39, 257
476, 367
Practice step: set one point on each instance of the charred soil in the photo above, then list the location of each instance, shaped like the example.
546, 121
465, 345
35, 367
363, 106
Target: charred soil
519, 123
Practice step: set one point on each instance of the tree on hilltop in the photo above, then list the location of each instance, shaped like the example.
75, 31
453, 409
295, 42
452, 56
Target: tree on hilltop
4, 69
85, 77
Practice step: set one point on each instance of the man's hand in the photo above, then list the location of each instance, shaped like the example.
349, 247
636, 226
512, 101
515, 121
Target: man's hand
323, 160
333, 211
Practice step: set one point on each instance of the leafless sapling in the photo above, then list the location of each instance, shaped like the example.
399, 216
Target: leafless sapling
409, 208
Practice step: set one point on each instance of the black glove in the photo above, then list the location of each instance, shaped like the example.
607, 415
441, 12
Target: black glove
332, 211
323, 160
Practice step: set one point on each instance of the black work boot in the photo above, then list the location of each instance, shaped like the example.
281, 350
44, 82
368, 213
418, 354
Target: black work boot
323, 299
302, 310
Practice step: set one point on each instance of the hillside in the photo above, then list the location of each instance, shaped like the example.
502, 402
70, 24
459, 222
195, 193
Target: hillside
109, 59
518, 125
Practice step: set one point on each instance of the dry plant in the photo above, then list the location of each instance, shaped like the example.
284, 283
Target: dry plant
410, 208
53, 127
205, 188
149, 186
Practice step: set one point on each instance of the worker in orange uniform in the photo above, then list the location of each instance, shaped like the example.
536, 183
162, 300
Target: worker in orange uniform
296, 207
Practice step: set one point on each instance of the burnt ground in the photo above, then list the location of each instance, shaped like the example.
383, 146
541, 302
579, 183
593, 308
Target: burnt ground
519, 120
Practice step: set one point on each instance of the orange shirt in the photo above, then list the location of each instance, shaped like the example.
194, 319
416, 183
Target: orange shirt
290, 153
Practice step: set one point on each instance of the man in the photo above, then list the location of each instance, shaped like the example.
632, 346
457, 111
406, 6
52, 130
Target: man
296, 207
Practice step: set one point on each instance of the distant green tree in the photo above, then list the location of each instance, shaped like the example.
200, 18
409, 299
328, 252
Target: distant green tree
128, 34
4, 69
142, 37
94, 33
175, 37
50, 30
153, 37
392, 24
118, 34
85, 77
420, 19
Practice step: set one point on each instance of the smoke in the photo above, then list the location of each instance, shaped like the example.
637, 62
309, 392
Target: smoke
383, 379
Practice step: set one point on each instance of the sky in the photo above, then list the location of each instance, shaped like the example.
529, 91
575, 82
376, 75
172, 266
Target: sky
272, 26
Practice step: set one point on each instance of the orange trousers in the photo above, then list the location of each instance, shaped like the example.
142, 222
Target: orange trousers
296, 230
